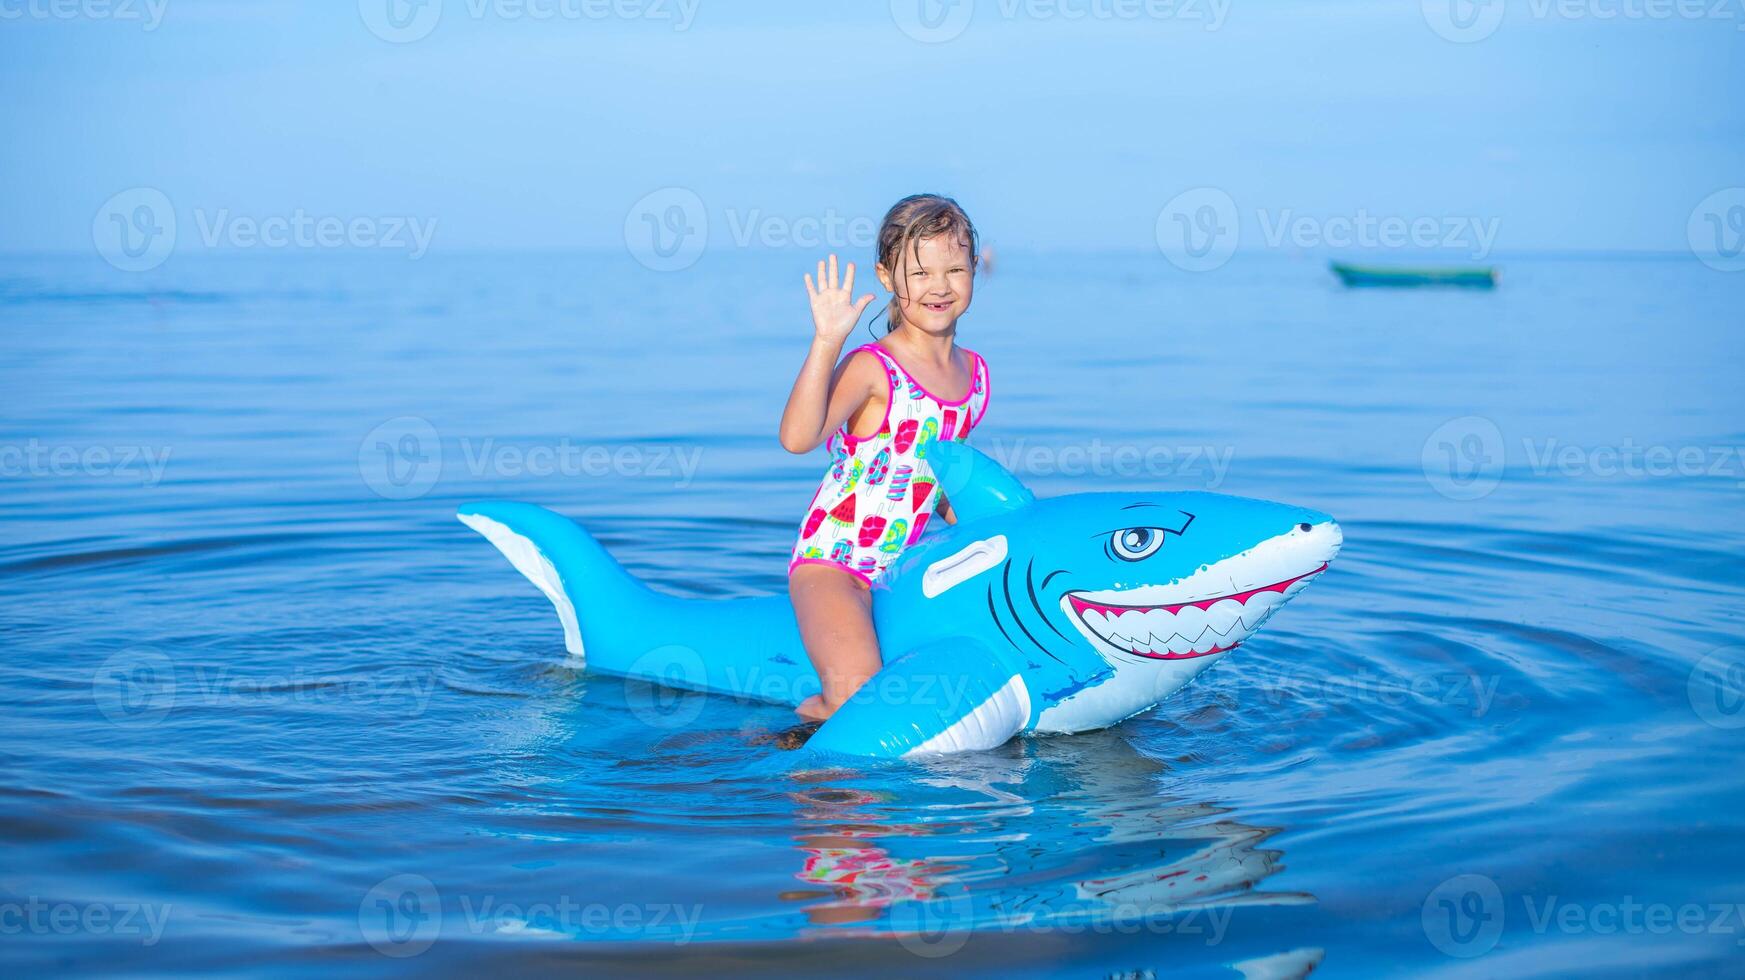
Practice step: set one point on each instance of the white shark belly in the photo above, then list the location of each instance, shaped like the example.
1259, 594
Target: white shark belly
1124, 694
988, 726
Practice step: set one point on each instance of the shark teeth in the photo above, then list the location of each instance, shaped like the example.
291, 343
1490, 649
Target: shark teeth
1198, 628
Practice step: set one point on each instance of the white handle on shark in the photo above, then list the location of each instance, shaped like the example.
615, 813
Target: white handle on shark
1055, 615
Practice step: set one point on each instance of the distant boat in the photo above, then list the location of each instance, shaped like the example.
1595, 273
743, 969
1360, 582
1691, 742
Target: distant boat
1466, 276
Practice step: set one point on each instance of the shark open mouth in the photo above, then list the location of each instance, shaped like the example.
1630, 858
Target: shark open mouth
1184, 630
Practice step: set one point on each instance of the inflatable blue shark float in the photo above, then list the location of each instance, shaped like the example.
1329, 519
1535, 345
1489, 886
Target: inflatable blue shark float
1026, 616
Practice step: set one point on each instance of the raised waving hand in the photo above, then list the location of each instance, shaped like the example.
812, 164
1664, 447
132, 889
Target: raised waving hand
834, 309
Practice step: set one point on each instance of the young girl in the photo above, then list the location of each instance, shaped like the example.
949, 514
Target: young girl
878, 411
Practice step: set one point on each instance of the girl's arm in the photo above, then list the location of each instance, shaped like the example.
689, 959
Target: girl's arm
825, 395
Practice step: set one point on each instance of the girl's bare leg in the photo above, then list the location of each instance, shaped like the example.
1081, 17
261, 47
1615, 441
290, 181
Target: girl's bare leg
834, 610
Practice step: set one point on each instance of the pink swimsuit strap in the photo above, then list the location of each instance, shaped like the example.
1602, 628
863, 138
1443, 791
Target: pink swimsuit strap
976, 366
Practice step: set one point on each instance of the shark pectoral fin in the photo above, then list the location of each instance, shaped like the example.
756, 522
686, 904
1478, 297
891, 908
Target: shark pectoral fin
953, 695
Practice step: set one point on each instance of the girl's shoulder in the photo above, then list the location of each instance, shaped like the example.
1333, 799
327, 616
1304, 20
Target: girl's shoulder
977, 363
871, 366
870, 358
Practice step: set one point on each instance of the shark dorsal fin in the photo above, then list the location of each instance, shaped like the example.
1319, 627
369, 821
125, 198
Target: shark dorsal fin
975, 485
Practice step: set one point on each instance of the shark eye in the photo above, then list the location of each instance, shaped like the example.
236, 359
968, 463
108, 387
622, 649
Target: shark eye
1135, 543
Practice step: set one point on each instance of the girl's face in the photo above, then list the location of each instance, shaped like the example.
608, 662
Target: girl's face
933, 282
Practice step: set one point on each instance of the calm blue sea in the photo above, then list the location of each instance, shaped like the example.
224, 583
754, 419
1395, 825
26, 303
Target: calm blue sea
267, 708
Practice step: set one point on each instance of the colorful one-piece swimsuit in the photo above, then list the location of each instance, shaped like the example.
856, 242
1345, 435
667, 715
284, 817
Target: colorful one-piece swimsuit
875, 499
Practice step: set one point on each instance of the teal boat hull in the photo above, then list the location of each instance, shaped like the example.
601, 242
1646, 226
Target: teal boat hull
1465, 277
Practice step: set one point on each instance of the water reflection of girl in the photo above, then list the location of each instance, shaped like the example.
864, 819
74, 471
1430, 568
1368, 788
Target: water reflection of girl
862, 878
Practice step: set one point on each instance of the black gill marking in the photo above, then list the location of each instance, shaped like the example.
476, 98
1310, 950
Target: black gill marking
1006, 584
995, 613
1030, 585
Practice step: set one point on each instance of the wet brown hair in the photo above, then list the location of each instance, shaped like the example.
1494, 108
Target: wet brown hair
910, 220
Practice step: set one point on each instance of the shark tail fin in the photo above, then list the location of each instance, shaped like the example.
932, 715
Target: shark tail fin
558, 556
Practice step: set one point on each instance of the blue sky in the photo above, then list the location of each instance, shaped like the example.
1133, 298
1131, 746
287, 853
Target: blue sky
1564, 127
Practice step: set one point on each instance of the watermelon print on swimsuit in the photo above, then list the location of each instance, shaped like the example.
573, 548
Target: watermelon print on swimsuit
877, 493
